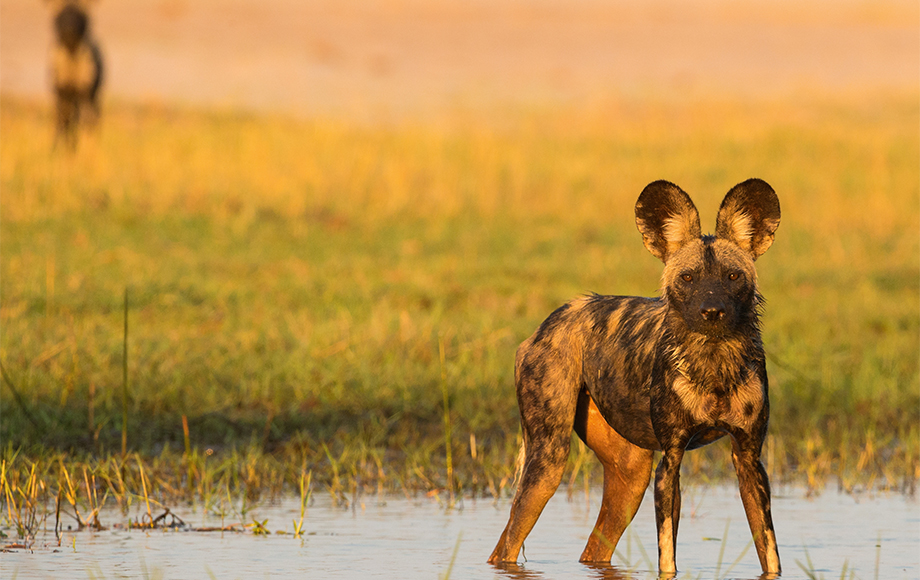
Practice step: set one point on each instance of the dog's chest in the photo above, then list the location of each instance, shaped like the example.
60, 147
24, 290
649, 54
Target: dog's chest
737, 405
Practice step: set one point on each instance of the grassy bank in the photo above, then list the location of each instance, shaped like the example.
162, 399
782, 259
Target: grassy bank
301, 293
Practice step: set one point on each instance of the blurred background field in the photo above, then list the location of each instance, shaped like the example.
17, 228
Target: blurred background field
313, 261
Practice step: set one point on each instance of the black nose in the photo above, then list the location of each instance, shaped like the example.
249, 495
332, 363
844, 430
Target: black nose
712, 311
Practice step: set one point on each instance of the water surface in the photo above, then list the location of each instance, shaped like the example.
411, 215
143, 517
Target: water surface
873, 535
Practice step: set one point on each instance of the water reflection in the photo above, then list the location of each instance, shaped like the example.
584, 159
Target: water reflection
516, 571
610, 572
595, 571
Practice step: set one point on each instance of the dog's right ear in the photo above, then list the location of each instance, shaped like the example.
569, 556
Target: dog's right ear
749, 216
666, 218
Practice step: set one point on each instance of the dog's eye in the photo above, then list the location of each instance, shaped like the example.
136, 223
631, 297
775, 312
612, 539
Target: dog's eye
734, 276
686, 277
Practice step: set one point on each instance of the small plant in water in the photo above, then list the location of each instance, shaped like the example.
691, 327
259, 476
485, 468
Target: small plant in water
22, 504
305, 491
259, 528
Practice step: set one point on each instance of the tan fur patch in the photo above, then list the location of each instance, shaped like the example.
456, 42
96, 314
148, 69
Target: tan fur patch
748, 393
666, 555
677, 231
578, 304
700, 404
613, 321
741, 228
704, 406
73, 70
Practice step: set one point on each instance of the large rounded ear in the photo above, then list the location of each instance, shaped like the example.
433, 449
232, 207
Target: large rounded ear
666, 218
749, 216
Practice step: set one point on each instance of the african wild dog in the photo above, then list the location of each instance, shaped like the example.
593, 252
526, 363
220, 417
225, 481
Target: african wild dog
632, 375
76, 69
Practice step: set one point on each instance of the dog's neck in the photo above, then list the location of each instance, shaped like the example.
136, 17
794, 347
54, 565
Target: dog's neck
713, 363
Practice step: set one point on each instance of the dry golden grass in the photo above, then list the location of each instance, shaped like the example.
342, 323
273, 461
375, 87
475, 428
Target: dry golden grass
291, 282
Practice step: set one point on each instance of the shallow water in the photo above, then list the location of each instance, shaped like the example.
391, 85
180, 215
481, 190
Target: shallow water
874, 536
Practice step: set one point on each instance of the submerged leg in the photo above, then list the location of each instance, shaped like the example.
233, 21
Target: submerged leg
755, 495
547, 392
667, 507
543, 469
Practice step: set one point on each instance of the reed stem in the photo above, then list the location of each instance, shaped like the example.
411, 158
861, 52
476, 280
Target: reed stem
447, 423
124, 384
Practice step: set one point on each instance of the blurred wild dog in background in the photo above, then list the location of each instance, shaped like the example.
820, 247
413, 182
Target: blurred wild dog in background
76, 69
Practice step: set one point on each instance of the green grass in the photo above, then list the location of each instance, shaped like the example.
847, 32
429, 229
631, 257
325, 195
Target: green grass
290, 282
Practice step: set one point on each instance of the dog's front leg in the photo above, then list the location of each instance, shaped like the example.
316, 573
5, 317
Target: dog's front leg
667, 507
755, 495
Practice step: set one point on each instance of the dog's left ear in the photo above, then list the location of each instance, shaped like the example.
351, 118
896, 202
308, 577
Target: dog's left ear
666, 218
749, 216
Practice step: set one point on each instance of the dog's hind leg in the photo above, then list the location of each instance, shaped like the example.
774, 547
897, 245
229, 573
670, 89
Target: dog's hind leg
542, 474
627, 472
547, 396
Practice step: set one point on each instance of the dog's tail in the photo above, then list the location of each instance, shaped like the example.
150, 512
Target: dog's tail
519, 462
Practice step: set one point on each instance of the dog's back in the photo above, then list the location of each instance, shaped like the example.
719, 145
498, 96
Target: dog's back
597, 342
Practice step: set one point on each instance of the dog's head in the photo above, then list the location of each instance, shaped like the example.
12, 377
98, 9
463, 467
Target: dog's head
709, 280
71, 23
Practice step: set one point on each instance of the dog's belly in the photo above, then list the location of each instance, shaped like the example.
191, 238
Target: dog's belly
705, 437
628, 415
631, 418
636, 431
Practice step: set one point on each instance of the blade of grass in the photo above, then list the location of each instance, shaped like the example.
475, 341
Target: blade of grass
124, 384
140, 466
453, 558
738, 559
722, 549
447, 422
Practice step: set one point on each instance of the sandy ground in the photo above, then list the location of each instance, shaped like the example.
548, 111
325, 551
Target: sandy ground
371, 56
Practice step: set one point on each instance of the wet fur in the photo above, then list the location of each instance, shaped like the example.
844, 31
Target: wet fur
632, 375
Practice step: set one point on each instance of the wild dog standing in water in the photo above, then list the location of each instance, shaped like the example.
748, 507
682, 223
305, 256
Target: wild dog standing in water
632, 375
76, 69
